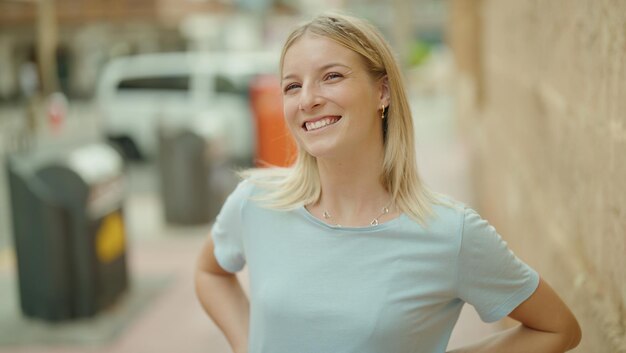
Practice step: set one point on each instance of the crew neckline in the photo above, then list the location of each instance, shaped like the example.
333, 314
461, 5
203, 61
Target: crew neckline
386, 225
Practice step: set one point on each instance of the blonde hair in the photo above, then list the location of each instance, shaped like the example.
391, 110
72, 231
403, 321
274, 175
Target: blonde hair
292, 187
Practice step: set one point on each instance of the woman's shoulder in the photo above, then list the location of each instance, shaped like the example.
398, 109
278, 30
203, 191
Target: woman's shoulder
448, 213
244, 188
239, 195
260, 184
262, 178
463, 219
446, 206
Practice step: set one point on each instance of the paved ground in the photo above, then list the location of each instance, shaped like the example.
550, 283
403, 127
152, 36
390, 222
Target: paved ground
174, 321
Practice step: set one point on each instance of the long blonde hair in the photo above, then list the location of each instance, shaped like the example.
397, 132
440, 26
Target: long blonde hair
292, 187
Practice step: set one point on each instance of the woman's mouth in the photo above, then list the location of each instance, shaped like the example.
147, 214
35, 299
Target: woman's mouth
320, 123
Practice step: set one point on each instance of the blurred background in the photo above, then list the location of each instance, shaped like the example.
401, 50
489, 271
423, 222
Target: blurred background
121, 123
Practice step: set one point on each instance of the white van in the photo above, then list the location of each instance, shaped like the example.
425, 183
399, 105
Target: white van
137, 94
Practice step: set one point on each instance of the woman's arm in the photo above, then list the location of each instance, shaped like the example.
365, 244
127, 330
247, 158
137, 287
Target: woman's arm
222, 297
547, 326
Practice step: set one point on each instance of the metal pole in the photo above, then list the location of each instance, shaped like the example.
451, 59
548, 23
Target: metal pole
47, 38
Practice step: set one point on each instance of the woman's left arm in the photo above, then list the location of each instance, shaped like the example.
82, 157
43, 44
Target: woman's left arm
547, 326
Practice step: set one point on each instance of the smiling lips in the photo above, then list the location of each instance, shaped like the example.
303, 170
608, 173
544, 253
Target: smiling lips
320, 123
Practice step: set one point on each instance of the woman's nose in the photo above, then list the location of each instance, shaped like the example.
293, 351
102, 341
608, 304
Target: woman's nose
309, 98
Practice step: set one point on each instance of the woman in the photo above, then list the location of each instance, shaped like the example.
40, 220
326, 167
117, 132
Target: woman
347, 250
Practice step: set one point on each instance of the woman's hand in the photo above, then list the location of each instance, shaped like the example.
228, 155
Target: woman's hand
547, 326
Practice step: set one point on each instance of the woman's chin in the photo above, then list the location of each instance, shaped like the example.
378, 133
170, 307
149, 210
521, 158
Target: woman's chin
318, 151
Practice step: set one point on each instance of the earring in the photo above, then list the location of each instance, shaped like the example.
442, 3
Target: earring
382, 114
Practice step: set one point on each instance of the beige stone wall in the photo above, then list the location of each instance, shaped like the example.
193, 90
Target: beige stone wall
542, 98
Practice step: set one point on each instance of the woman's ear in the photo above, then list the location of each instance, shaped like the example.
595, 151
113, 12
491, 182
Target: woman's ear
385, 93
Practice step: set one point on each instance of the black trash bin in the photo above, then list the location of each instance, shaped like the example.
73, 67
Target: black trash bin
68, 230
186, 167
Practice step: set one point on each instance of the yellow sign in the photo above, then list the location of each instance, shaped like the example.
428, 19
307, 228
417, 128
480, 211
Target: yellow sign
110, 238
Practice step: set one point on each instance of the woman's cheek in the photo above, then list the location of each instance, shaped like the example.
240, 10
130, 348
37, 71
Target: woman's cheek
290, 114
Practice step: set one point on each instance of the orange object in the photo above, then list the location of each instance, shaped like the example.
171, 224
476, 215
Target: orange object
275, 146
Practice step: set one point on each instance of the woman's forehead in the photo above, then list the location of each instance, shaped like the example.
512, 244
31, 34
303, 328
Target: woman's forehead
313, 43
317, 51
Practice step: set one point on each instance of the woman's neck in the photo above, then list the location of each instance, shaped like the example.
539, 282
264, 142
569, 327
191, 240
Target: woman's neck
352, 191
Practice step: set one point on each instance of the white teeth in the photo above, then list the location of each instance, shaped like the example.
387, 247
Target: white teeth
320, 123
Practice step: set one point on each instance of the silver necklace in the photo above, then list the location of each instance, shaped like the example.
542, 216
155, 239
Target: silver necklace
374, 222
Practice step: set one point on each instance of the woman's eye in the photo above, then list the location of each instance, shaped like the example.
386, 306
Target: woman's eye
333, 75
290, 87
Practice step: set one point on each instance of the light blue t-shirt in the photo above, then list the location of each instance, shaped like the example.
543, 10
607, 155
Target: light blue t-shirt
396, 287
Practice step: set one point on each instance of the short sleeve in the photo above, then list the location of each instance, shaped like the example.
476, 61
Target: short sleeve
227, 231
491, 277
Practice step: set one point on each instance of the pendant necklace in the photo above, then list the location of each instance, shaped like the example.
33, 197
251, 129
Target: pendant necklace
374, 222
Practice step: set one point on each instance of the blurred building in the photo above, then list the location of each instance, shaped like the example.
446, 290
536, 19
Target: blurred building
89, 32
541, 97
86, 33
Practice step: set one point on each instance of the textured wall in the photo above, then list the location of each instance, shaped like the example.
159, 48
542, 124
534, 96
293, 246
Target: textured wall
542, 98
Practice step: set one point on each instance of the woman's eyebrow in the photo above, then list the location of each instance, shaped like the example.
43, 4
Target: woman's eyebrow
322, 68
328, 66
